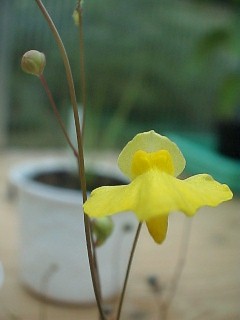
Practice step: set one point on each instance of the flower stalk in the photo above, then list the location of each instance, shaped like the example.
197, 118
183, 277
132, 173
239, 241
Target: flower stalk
57, 114
119, 310
183, 250
80, 158
79, 11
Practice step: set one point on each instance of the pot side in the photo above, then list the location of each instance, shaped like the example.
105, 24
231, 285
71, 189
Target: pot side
53, 255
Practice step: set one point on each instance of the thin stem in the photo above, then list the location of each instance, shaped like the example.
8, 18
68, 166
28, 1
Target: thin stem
82, 65
57, 114
128, 271
178, 269
81, 166
84, 104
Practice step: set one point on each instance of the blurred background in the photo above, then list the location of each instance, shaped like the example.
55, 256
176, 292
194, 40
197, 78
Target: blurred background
163, 65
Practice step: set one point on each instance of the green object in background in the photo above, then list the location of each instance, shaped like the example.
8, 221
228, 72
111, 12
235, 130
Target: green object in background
200, 152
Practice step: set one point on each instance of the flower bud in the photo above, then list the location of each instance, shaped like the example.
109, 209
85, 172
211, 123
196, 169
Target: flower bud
33, 62
102, 229
76, 17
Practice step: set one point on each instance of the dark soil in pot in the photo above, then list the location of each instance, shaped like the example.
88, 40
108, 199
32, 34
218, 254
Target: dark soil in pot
68, 180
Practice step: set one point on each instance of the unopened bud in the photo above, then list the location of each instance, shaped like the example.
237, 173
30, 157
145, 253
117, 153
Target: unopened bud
102, 229
33, 62
76, 17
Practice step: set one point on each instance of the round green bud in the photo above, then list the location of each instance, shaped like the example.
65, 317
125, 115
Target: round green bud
33, 62
102, 229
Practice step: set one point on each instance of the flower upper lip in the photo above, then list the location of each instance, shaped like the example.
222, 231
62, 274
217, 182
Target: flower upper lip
150, 142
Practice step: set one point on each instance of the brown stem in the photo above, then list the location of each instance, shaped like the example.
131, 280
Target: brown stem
178, 270
82, 66
119, 310
84, 104
81, 166
57, 114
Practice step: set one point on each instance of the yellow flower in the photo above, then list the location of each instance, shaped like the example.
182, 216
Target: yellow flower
152, 162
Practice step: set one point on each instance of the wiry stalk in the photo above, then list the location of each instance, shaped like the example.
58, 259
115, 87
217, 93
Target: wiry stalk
177, 271
58, 116
119, 310
82, 65
80, 158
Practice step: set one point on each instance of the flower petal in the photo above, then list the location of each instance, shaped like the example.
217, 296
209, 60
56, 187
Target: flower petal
157, 227
204, 190
106, 201
158, 194
150, 142
155, 194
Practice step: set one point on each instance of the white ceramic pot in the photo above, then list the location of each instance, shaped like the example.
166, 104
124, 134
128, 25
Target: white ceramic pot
53, 256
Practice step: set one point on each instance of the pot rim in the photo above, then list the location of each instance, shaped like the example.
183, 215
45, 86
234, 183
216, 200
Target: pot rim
21, 178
